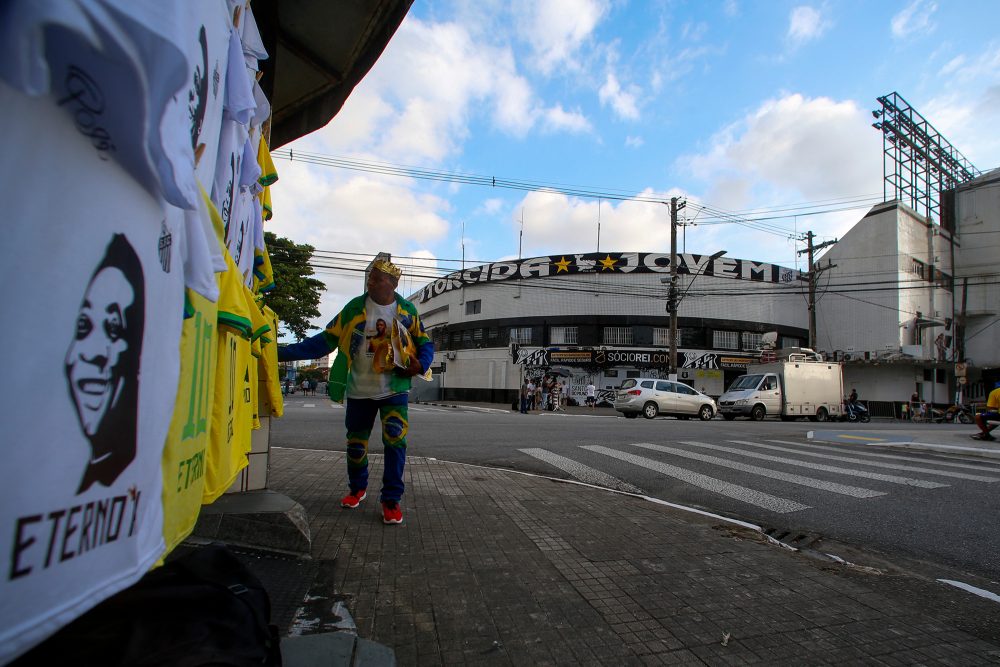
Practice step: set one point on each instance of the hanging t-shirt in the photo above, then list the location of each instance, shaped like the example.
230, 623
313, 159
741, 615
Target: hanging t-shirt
229, 437
112, 66
239, 103
194, 115
187, 441
365, 380
95, 354
269, 363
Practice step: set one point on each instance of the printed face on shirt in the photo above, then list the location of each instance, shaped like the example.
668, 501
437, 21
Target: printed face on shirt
93, 362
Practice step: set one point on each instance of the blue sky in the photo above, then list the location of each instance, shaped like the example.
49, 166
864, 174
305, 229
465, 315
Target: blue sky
736, 106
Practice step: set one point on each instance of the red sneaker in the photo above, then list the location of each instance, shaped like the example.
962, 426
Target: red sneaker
391, 512
353, 499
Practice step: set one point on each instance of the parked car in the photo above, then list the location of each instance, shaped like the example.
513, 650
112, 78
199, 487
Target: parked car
651, 397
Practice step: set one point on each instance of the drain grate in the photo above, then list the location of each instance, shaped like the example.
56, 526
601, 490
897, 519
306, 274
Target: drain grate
793, 538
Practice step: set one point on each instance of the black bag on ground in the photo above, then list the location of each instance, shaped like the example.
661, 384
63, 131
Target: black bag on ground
204, 608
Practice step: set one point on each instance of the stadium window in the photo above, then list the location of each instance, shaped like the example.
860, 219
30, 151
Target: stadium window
661, 336
725, 340
617, 335
477, 334
474, 307
520, 335
564, 335
752, 341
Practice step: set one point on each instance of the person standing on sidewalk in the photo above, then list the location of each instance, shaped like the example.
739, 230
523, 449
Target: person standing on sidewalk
591, 395
371, 392
557, 390
524, 397
992, 413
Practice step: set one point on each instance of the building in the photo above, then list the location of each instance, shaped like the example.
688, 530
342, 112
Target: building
908, 305
602, 317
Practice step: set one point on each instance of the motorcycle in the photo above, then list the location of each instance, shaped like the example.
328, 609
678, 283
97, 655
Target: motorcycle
960, 414
856, 411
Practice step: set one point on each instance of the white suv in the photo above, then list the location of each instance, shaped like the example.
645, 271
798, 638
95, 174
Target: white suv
652, 397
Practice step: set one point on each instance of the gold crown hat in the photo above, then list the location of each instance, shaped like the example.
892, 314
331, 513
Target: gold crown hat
387, 267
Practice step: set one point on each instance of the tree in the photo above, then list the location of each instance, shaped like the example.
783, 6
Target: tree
295, 296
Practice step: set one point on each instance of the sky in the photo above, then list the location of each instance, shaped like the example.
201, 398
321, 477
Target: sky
742, 109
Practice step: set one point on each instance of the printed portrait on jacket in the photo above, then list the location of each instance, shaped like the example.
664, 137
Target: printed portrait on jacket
102, 362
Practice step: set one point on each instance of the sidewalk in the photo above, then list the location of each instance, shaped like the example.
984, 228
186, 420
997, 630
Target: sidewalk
492, 566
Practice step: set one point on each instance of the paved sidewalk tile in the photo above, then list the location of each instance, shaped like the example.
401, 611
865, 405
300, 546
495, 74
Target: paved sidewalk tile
495, 567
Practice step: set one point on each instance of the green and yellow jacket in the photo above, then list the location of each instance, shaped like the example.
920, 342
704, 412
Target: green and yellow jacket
346, 332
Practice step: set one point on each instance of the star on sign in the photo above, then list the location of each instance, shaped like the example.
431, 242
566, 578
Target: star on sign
608, 264
562, 265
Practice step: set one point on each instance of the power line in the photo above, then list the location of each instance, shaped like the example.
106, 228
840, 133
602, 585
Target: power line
720, 216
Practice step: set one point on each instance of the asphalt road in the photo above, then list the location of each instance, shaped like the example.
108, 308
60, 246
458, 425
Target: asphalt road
937, 513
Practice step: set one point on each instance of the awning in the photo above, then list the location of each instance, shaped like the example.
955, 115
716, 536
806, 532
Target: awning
319, 50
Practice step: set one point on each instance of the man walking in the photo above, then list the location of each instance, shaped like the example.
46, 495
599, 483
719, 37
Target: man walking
371, 386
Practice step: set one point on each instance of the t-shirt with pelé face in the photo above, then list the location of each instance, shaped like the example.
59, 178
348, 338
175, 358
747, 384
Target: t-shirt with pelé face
366, 381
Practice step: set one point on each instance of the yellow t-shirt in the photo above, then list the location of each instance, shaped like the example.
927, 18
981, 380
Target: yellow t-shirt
187, 440
993, 400
229, 439
268, 175
268, 364
260, 326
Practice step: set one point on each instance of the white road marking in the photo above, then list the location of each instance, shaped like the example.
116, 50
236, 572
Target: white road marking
875, 464
582, 472
972, 589
735, 491
897, 457
309, 405
811, 482
893, 479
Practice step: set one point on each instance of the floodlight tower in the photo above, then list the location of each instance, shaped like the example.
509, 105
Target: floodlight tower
918, 163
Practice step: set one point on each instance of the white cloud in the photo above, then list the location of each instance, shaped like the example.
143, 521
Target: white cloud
792, 150
557, 29
800, 144
491, 206
953, 65
805, 24
360, 213
555, 223
557, 118
623, 102
634, 142
967, 110
914, 19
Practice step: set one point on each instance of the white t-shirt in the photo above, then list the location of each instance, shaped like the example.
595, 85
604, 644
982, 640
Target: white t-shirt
364, 381
81, 512
590, 390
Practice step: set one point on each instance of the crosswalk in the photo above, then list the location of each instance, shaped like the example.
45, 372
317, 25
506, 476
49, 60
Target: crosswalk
776, 468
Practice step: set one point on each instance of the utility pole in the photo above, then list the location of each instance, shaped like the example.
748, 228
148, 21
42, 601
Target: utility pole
811, 276
672, 291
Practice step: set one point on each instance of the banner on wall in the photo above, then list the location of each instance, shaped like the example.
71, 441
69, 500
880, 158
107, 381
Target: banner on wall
634, 357
608, 264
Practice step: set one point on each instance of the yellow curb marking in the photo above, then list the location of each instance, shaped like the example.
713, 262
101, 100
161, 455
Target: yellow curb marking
861, 437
